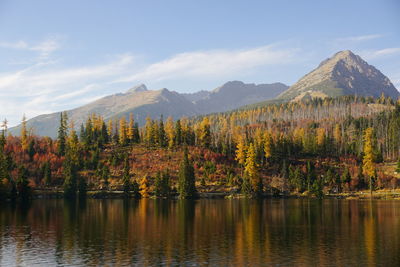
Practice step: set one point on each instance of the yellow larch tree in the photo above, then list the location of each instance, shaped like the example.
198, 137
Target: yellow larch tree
170, 131
250, 168
122, 131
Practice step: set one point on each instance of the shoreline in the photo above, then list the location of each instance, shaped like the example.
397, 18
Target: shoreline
97, 194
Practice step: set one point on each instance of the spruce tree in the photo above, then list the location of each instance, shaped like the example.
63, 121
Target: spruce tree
47, 173
23, 188
186, 182
161, 184
162, 139
126, 179
62, 134
70, 180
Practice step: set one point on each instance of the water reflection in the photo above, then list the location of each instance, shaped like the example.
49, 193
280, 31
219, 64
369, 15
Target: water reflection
203, 233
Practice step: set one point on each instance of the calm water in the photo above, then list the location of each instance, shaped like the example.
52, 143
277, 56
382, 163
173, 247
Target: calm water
201, 233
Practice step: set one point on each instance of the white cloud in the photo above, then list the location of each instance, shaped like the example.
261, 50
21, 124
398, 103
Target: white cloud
44, 48
360, 38
44, 87
214, 63
372, 54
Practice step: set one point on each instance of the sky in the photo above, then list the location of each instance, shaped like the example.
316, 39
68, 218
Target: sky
58, 55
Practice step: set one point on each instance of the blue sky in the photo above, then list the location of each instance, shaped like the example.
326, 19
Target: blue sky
57, 55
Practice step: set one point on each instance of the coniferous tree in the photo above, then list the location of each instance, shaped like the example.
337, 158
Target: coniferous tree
162, 139
82, 187
144, 187
161, 184
311, 176
70, 179
178, 133
22, 185
186, 186
62, 134
47, 173
126, 179
251, 170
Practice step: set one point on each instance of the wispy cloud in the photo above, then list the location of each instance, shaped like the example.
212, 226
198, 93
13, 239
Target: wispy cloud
44, 48
372, 54
44, 87
213, 63
360, 38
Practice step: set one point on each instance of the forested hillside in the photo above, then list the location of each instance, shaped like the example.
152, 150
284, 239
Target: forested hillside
310, 147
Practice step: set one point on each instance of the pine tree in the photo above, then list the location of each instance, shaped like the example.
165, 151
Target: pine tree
346, 177
82, 187
62, 134
105, 175
31, 149
161, 184
186, 182
162, 139
311, 176
47, 173
178, 133
126, 179
23, 188
70, 181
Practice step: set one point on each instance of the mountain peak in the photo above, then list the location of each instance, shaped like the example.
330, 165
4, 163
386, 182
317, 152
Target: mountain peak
345, 73
138, 88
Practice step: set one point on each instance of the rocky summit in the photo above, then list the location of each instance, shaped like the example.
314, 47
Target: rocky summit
343, 74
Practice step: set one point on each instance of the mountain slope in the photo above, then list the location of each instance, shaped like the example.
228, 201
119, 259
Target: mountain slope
343, 74
234, 94
143, 102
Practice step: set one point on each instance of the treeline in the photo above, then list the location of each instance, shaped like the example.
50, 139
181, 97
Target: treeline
315, 146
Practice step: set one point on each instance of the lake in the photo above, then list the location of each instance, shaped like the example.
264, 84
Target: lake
272, 232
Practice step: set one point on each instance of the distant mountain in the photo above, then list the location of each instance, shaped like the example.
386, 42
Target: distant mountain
343, 74
234, 94
143, 102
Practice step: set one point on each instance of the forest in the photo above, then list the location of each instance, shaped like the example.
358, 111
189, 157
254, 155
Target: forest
311, 148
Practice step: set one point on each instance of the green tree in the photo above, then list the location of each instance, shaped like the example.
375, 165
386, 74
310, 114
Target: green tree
310, 176
23, 188
178, 133
82, 187
46, 173
62, 134
161, 184
126, 179
162, 138
70, 180
31, 149
186, 182
346, 177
